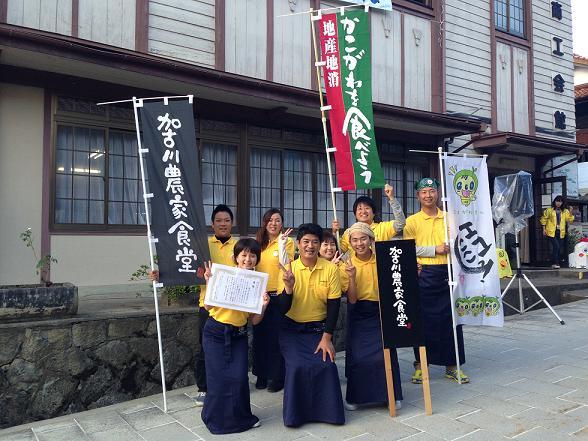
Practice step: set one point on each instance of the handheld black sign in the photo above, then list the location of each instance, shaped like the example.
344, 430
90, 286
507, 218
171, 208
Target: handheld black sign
177, 213
399, 294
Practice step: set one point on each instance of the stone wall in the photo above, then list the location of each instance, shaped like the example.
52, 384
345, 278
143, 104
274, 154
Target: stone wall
56, 367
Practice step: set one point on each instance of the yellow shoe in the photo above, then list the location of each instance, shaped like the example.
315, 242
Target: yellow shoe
452, 375
417, 377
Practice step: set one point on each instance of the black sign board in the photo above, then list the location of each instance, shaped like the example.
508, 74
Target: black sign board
399, 294
177, 212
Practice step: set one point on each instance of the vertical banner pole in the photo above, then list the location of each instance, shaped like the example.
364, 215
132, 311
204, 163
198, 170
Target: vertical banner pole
390, 382
323, 117
449, 270
137, 103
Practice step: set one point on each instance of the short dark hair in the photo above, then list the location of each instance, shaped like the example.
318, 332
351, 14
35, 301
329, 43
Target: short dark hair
330, 237
220, 209
247, 244
313, 229
365, 200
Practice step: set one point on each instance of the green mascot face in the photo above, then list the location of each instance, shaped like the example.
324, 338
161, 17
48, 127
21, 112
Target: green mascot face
462, 306
477, 305
491, 307
465, 184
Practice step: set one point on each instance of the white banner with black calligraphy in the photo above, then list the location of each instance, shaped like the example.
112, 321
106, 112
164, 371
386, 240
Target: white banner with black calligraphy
473, 248
177, 213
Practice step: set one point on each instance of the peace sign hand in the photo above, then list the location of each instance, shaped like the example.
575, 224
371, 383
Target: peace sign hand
336, 258
285, 234
350, 269
207, 270
288, 278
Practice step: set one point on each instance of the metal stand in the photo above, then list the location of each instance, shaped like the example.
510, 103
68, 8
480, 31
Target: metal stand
519, 275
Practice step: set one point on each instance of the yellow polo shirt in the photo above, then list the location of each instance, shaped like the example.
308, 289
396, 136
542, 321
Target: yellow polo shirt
312, 288
382, 231
219, 253
270, 264
229, 316
366, 278
426, 231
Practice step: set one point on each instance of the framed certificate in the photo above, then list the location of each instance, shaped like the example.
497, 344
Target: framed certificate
235, 288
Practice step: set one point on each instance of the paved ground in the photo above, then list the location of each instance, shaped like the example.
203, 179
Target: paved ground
529, 382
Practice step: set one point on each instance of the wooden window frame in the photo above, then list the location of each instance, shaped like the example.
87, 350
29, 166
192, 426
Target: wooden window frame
507, 35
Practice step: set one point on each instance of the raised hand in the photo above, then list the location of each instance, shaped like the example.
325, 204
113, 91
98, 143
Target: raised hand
288, 278
389, 191
207, 271
336, 258
285, 234
335, 226
350, 269
153, 275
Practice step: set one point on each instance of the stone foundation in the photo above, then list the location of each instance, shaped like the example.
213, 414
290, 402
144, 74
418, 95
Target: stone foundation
58, 367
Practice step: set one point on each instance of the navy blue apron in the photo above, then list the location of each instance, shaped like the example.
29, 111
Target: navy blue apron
312, 391
436, 314
268, 362
364, 356
227, 408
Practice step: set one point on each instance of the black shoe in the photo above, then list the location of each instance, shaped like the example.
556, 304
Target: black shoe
261, 383
275, 386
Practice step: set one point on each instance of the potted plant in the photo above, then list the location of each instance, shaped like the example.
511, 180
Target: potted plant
45, 299
171, 296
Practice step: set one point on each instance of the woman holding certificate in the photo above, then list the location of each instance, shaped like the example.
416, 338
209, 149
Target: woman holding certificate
268, 363
227, 408
364, 361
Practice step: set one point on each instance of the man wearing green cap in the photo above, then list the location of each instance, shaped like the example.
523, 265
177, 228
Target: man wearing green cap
427, 228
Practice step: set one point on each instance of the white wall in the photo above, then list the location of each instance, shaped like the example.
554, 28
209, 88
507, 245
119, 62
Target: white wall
546, 65
580, 74
183, 29
246, 37
46, 15
21, 153
97, 260
109, 22
468, 53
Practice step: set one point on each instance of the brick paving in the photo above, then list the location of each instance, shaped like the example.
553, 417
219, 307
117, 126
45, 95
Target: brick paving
529, 382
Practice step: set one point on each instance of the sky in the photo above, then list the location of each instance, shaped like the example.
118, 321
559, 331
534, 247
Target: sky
580, 29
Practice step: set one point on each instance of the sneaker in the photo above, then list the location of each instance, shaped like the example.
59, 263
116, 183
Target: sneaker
256, 424
350, 406
200, 396
398, 404
261, 383
417, 377
452, 375
275, 386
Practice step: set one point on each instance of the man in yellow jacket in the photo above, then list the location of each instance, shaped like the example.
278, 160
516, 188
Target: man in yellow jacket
554, 221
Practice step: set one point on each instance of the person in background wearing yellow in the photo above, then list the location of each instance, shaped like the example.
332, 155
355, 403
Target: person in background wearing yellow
221, 251
227, 407
364, 209
268, 363
427, 229
364, 356
310, 296
554, 220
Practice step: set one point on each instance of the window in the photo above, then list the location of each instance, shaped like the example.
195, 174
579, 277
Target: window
219, 177
97, 179
324, 203
81, 175
297, 188
509, 16
265, 182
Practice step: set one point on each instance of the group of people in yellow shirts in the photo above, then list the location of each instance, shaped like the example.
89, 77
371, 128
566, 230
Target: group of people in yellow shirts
293, 345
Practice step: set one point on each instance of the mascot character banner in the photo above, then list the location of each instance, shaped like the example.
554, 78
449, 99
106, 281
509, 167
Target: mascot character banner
473, 249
